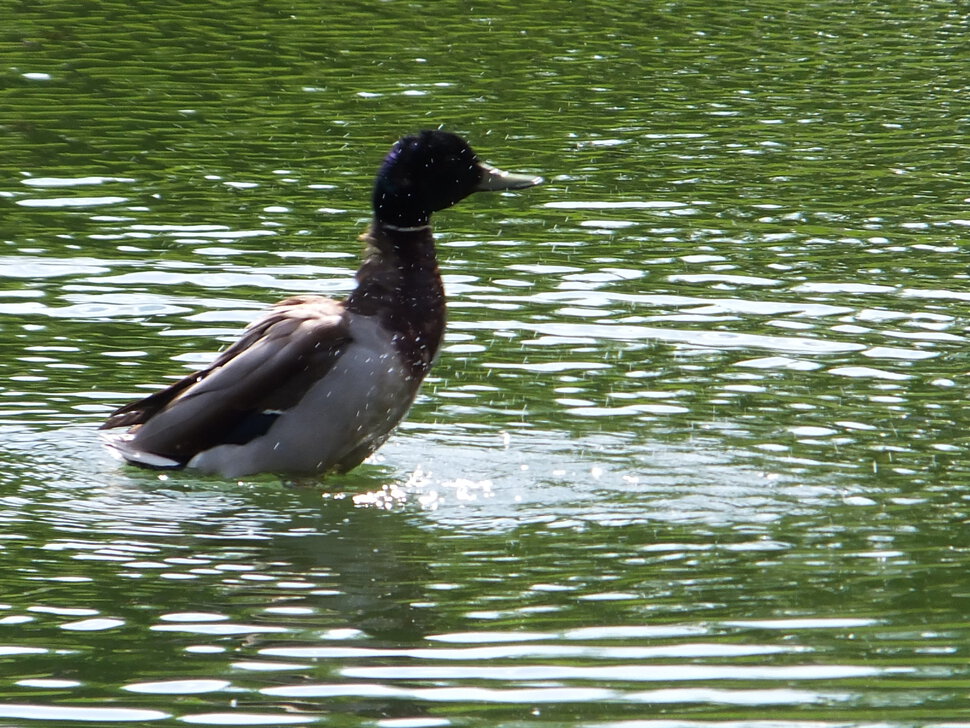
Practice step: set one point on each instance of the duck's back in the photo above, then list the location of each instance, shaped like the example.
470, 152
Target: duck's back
311, 387
340, 419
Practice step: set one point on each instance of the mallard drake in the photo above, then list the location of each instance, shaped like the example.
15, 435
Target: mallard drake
317, 385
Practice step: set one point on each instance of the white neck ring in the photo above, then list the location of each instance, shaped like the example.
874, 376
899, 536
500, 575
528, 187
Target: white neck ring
404, 229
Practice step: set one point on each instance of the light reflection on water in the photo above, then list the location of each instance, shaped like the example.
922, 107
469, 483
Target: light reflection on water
322, 598
692, 454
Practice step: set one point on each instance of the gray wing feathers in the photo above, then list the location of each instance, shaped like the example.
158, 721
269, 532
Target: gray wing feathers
268, 369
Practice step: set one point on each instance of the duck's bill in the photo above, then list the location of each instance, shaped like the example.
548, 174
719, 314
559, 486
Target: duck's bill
495, 179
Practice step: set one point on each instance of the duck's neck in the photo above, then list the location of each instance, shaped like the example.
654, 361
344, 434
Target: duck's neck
399, 282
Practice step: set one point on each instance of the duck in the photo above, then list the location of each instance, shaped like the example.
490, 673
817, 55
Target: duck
316, 385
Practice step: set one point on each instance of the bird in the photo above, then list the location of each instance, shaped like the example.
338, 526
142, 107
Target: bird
316, 385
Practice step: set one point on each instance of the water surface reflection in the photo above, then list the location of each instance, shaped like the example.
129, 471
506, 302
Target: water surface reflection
693, 453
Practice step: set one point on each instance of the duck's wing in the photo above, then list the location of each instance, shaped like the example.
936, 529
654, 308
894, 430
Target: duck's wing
238, 397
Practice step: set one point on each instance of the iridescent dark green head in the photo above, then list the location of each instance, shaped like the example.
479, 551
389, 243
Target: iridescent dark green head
430, 171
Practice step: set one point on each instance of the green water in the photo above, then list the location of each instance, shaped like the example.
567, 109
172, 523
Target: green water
693, 453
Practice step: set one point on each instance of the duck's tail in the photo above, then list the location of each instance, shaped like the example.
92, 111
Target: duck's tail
121, 447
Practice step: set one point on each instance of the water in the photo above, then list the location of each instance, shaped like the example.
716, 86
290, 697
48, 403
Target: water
693, 453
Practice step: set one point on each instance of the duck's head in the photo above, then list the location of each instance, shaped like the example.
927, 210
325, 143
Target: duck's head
430, 171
